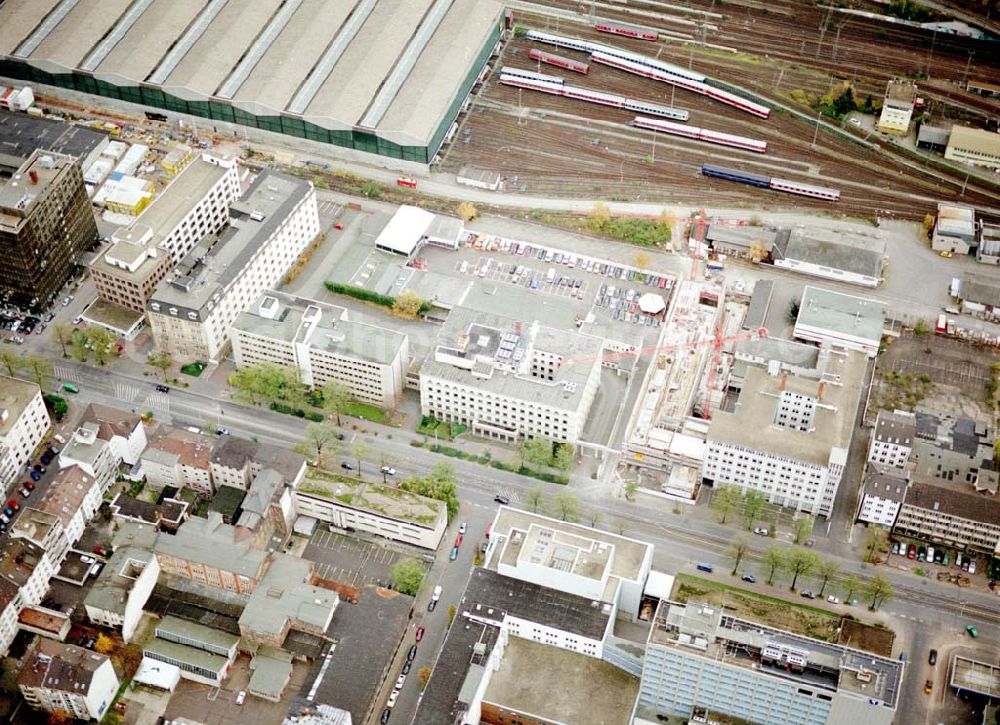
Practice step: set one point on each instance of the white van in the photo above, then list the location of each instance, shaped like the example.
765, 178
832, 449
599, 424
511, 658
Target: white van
437, 593
464, 268
550, 276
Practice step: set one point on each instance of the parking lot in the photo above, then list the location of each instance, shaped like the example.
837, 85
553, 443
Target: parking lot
349, 561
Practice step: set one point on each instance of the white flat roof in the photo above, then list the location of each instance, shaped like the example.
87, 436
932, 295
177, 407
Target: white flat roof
405, 229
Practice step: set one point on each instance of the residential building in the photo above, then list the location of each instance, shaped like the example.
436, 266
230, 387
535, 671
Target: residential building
92, 454
700, 657
954, 229
203, 654
322, 344
843, 258
842, 320
128, 272
192, 309
882, 495
897, 107
892, 439
122, 589
123, 431
24, 421
180, 458
788, 435
974, 146
267, 511
209, 552
45, 222
950, 513
43, 529
58, 676
166, 515
236, 462
287, 600
73, 496
25, 571
507, 380
381, 510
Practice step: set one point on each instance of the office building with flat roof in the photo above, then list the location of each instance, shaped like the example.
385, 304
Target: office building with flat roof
193, 308
62, 677
45, 222
509, 380
951, 513
842, 320
24, 421
975, 146
122, 589
788, 435
954, 229
21, 135
897, 107
700, 657
376, 76
321, 343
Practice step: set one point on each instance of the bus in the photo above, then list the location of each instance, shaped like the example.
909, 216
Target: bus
70, 388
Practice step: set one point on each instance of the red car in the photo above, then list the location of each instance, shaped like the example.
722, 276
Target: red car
338, 225
911, 553
420, 633
100, 551
458, 540
30, 485
14, 504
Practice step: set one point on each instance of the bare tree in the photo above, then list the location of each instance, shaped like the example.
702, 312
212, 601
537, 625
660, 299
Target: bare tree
738, 549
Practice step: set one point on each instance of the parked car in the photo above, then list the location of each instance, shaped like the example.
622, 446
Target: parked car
221, 431
391, 702
8, 512
162, 389
972, 566
431, 605
833, 600
385, 716
100, 551
895, 547
454, 553
46, 459
399, 682
87, 559
347, 466
911, 552
39, 467
406, 668
932, 657
420, 636
36, 476
463, 527
503, 500
971, 629
749, 578
458, 540
705, 567
808, 595
241, 697
29, 485
760, 531
412, 653
12, 503
25, 492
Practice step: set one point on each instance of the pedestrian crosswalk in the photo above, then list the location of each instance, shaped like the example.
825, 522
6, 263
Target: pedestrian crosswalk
126, 392
510, 493
156, 401
330, 208
66, 374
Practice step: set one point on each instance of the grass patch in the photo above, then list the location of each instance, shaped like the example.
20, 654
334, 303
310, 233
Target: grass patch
499, 465
366, 411
803, 619
194, 369
430, 426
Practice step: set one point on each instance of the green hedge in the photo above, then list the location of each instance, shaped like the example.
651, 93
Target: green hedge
359, 293
487, 461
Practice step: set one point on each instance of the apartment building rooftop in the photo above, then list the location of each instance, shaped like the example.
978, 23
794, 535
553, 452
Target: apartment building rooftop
565, 546
21, 191
18, 559
953, 499
380, 500
700, 629
886, 483
169, 510
211, 542
66, 493
86, 446
54, 665
113, 585
34, 524
564, 686
319, 325
895, 426
494, 353
286, 592
169, 445
756, 422
15, 396
111, 421
265, 489
198, 282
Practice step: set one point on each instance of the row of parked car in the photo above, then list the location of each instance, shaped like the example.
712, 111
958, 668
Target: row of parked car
11, 508
918, 552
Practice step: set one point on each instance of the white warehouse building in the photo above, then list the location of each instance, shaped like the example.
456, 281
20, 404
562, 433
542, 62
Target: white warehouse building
788, 435
193, 308
842, 320
507, 380
322, 344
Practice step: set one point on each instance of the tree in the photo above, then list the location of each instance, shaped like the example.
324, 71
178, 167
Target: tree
567, 506
640, 260
800, 562
102, 343
424, 675
563, 457
360, 449
928, 224
439, 485
452, 611
803, 528
753, 504
320, 437
630, 488
725, 500
758, 252
80, 346
851, 587
874, 542
386, 462
879, 590
39, 370
161, 360
407, 576
62, 332
209, 427
60, 717
467, 212
267, 382
336, 398
536, 451
11, 361
774, 560
826, 571
618, 524
371, 189
533, 499
408, 304
104, 644
594, 517
793, 309
738, 549
57, 405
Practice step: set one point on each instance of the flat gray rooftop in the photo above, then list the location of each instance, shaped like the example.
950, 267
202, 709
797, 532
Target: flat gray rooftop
841, 313
841, 252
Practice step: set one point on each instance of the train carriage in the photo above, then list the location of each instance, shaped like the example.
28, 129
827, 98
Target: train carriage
796, 187
558, 61
743, 177
701, 134
628, 30
530, 75
653, 109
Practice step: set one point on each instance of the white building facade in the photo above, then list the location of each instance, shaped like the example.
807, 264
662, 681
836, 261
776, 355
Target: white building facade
23, 424
892, 439
64, 677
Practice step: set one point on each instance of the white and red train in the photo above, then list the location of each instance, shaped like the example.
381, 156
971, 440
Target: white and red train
701, 134
629, 31
559, 61
557, 87
716, 94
